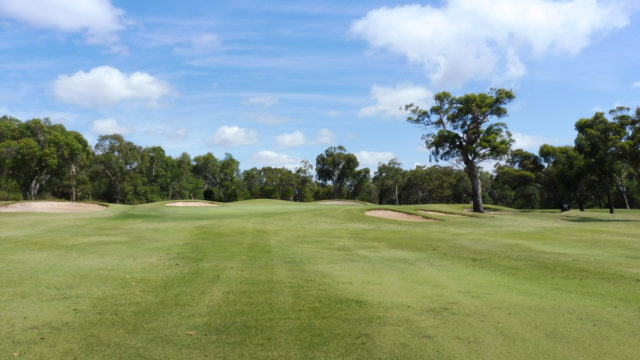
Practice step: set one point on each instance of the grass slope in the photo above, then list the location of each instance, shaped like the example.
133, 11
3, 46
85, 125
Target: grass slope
276, 280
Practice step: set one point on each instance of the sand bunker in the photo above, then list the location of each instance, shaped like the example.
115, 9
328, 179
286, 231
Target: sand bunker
439, 213
396, 215
192, 203
340, 202
51, 207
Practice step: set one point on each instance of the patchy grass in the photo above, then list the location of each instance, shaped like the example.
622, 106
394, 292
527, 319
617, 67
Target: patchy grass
275, 280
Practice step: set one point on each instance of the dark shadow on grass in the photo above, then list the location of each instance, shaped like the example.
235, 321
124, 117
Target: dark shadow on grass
589, 219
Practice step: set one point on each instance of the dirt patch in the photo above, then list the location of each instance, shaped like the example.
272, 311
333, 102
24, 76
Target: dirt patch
396, 215
192, 204
340, 202
51, 207
439, 213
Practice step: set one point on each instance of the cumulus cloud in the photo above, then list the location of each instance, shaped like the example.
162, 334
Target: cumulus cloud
292, 139
266, 101
234, 136
271, 158
107, 86
465, 40
533, 142
391, 101
325, 136
108, 126
372, 158
99, 19
635, 85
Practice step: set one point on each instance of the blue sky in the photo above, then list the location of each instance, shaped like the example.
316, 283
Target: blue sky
276, 83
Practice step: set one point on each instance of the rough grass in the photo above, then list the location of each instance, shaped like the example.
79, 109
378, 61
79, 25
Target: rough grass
275, 280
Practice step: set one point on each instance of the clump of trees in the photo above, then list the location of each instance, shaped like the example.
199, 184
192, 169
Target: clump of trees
601, 168
41, 160
37, 154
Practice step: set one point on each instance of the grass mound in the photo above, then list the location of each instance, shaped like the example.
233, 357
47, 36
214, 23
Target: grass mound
340, 202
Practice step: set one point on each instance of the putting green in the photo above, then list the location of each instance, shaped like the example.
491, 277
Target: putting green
277, 280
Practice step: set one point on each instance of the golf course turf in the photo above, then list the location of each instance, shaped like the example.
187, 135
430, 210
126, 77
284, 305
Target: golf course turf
269, 279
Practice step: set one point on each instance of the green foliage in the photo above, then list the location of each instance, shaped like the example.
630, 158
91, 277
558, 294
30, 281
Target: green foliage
436, 184
358, 183
599, 141
336, 166
41, 160
389, 178
459, 129
34, 152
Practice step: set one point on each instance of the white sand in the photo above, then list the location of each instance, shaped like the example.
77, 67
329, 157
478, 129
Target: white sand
396, 215
439, 213
340, 202
51, 207
191, 203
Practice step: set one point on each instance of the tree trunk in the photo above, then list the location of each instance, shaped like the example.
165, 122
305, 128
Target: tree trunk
74, 182
581, 202
623, 191
117, 192
34, 188
610, 199
476, 188
396, 194
39, 180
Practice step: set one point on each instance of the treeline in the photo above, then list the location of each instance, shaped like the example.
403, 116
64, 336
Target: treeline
601, 169
41, 160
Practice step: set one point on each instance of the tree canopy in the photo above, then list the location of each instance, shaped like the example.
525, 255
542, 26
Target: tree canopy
336, 166
459, 129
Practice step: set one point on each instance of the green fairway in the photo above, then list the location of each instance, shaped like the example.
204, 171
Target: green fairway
278, 280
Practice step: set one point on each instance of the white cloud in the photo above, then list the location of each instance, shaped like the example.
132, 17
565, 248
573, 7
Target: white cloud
98, 18
105, 86
325, 136
108, 126
270, 158
467, 40
334, 113
234, 136
266, 101
293, 139
533, 142
372, 158
635, 85
270, 119
391, 101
